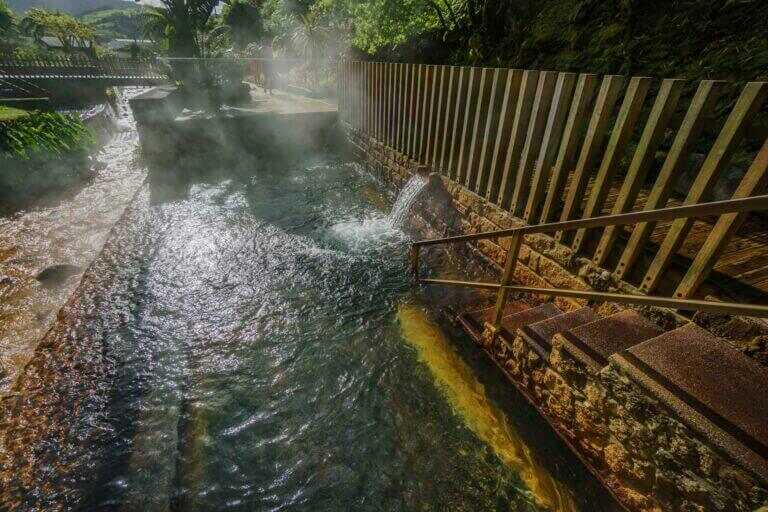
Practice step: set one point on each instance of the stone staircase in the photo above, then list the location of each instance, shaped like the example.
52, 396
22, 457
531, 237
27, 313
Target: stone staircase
650, 412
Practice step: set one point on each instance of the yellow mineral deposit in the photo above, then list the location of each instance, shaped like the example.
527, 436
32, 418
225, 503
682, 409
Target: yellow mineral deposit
467, 397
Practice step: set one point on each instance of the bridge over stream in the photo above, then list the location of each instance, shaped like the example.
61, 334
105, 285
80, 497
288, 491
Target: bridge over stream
108, 72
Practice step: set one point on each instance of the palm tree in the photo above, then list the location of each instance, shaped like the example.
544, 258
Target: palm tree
180, 24
7, 20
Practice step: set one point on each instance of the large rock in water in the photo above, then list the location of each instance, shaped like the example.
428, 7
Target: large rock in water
55, 275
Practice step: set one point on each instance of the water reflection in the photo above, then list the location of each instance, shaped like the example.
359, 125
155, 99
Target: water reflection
242, 346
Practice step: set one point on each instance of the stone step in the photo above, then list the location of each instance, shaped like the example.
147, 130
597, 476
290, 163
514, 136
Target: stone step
474, 321
713, 388
511, 323
539, 335
593, 343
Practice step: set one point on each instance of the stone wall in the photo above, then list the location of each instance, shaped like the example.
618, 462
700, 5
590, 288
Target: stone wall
646, 457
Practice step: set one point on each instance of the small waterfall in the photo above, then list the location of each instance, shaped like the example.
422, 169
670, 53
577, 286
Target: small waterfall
405, 199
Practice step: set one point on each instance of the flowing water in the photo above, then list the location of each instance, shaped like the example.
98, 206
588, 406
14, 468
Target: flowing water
406, 198
251, 341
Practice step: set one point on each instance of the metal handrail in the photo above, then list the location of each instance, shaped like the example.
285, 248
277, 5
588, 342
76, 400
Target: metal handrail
741, 205
746, 204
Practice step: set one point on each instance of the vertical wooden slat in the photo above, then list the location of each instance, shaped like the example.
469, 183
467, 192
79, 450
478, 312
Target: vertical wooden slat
355, 82
382, 100
448, 118
347, 78
517, 136
566, 155
417, 106
696, 117
658, 120
361, 96
379, 102
409, 106
598, 126
434, 88
364, 103
536, 125
391, 96
399, 104
372, 99
617, 144
749, 102
458, 120
426, 113
512, 89
470, 109
369, 99
442, 118
553, 132
490, 130
480, 126
727, 225
413, 68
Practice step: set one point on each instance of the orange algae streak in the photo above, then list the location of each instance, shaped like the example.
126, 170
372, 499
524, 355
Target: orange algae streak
467, 397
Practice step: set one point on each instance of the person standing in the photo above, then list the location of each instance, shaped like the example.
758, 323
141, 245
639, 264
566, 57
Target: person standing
268, 67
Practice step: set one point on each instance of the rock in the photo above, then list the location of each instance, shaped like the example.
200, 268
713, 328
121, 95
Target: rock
55, 275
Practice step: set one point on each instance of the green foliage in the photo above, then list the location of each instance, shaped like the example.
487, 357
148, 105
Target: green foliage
70, 32
8, 113
7, 20
116, 23
49, 132
180, 25
245, 22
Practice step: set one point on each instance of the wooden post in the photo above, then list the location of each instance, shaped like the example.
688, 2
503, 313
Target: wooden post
517, 136
550, 143
727, 225
749, 102
598, 125
426, 113
663, 108
536, 125
490, 132
512, 89
506, 279
450, 114
468, 125
695, 119
458, 119
622, 131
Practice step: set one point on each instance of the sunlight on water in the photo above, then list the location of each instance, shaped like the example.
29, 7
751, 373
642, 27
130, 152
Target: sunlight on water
468, 399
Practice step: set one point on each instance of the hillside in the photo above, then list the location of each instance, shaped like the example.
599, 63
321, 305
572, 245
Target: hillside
115, 23
75, 7
694, 39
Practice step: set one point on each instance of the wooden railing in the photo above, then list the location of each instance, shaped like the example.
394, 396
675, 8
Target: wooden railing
548, 146
81, 68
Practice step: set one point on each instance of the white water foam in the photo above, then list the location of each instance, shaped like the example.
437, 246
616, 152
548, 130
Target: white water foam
361, 234
406, 198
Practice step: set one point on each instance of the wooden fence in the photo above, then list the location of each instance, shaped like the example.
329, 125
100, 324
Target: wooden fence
549, 145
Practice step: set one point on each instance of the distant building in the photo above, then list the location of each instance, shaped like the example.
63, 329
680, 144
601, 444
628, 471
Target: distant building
53, 44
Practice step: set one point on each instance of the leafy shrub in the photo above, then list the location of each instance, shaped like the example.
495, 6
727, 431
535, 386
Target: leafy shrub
49, 132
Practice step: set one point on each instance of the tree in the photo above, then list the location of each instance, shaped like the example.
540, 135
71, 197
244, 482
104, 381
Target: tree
7, 20
245, 22
70, 32
180, 24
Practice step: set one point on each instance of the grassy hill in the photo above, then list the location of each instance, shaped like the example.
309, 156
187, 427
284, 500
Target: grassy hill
114, 23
